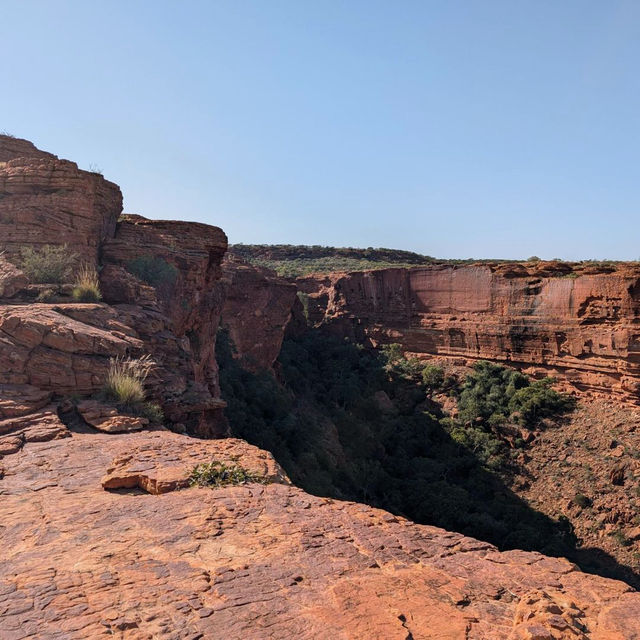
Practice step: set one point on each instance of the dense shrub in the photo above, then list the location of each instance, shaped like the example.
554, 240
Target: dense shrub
153, 270
433, 376
86, 287
493, 394
49, 264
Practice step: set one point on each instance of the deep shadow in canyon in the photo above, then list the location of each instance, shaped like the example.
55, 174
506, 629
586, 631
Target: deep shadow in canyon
346, 424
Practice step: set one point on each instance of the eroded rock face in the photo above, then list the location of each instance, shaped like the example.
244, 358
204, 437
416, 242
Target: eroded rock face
581, 327
45, 200
256, 311
65, 348
178, 316
259, 561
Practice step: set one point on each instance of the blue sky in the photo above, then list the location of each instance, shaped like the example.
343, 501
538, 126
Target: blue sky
493, 128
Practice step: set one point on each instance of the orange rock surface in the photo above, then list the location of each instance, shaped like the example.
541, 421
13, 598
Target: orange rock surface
579, 326
258, 561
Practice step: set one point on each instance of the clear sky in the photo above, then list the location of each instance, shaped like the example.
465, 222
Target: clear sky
456, 128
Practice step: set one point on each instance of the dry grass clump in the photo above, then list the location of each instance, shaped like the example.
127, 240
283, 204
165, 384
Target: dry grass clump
87, 285
125, 380
49, 264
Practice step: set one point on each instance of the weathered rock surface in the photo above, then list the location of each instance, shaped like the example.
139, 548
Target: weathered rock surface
12, 148
108, 419
65, 348
44, 200
43, 347
256, 311
581, 327
164, 464
12, 279
177, 317
259, 561
34, 427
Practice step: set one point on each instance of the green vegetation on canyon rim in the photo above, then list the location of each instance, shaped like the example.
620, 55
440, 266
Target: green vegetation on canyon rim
294, 261
217, 474
359, 424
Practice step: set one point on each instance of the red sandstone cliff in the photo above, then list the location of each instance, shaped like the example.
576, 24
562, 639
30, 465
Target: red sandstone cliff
63, 347
256, 311
581, 326
89, 553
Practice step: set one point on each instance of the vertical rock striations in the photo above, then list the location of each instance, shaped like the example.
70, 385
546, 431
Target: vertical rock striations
580, 326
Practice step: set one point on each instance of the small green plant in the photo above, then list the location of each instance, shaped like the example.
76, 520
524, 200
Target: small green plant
47, 295
125, 380
621, 539
304, 301
152, 412
49, 264
581, 500
87, 285
153, 270
218, 474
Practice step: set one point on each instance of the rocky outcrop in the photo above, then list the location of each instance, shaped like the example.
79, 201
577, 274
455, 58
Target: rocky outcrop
157, 468
12, 148
256, 311
45, 200
171, 313
259, 561
176, 312
577, 325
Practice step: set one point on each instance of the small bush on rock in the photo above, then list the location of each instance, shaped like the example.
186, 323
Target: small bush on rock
218, 474
152, 412
153, 270
125, 380
433, 376
49, 264
87, 285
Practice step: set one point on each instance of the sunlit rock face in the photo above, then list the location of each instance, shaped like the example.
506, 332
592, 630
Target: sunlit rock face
580, 326
64, 347
45, 200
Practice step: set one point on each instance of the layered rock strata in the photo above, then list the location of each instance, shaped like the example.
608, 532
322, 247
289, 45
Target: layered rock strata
64, 347
45, 200
581, 327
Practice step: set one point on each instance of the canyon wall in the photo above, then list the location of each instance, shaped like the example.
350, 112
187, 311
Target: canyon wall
256, 311
580, 326
87, 554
